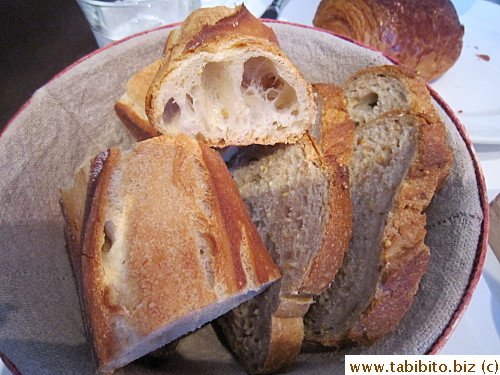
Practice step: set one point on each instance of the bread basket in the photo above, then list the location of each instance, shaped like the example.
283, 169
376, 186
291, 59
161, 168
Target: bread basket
71, 119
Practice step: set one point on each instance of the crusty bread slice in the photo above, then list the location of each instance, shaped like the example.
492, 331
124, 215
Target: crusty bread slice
373, 91
223, 72
166, 246
130, 108
73, 201
398, 162
299, 200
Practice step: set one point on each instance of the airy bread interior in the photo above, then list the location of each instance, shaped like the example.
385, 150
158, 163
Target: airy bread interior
223, 72
219, 99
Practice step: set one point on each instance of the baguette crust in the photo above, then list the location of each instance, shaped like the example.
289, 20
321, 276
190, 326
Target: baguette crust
238, 225
404, 256
100, 312
153, 218
424, 35
130, 108
218, 72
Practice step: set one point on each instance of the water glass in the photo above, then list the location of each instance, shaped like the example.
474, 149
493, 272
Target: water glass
112, 20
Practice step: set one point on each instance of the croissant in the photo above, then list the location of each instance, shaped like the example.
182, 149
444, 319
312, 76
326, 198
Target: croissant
424, 35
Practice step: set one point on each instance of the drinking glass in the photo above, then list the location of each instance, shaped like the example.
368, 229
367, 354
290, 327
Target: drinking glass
112, 20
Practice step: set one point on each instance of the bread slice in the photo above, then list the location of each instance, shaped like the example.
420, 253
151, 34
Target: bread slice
375, 90
167, 245
398, 162
130, 108
301, 209
223, 72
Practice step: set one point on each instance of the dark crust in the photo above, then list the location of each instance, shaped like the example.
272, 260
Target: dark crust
96, 314
425, 35
240, 22
337, 138
238, 224
404, 256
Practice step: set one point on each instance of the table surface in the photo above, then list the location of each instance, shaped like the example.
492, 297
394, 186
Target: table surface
473, 97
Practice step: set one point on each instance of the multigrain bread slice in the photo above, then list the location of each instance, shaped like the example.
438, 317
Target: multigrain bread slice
222, 72
398, 163
301, 210
373, 91
166, 246
286, 192
130, 108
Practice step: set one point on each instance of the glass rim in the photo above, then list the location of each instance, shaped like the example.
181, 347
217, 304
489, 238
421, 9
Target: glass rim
118, 3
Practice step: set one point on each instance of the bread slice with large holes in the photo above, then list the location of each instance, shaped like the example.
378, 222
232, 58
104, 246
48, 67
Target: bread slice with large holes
221, 74
373, 91
166, 246
399, 160
298, 197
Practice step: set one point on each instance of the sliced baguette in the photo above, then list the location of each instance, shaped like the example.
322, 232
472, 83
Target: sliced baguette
223, 72
375, 90
398, 162
166, 246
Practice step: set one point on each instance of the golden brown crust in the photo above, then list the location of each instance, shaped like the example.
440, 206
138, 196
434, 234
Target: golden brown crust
404, 256
240, 22
238, 225
72, 203
425, 35
337, 139
285, 333
97, 309
154, 254
130, 108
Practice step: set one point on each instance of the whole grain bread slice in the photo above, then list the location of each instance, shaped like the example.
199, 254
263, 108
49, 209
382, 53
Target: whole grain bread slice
286, 189
372, 91
165, 246
298, 197
399, 160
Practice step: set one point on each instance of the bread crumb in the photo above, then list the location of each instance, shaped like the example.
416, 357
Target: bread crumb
483, 57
